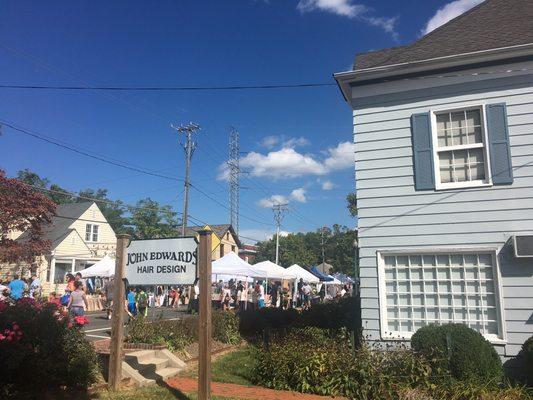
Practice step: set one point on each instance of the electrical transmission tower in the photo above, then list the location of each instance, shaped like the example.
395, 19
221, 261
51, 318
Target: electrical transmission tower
279, 212
234, 172
189, 146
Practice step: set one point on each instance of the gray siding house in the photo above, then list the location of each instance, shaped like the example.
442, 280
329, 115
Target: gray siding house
443, 131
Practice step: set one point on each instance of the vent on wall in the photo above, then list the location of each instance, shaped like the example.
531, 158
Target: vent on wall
523, 245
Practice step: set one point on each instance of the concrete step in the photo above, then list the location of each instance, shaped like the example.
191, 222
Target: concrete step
168, 372
159, 363
141, 355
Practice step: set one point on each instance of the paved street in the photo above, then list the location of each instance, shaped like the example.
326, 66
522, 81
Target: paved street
100, 326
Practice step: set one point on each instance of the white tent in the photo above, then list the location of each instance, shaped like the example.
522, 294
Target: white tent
231, 266
302, 273
269, 270
104, 268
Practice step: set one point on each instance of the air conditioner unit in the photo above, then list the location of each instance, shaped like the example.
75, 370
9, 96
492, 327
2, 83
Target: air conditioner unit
523, 246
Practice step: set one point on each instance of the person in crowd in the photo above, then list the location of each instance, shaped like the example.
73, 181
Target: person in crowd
16, 287
274, 293
195, 293
226, 297
77, 301
53, 298
70, 282
260, 289
109, 292
252, 295
306, 289
35, 287
4, 291
240, 298
344, 291
141, 299
132, 307
159, 296
322, 293
79, 278
300, 300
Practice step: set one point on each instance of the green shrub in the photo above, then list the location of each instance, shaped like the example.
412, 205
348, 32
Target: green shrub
527, 354
48, 353
461, 351
176, 335
318, 361
255, 322
225, 327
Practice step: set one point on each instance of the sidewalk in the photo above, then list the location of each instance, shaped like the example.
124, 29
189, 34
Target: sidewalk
188, 385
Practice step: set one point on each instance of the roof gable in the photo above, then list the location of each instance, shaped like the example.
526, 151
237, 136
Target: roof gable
490, 25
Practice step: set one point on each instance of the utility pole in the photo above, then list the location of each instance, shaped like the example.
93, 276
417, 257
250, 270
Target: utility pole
234, 172
189, 146
279, 211
322, 243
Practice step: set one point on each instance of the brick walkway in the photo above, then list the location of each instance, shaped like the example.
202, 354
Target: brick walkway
189, 385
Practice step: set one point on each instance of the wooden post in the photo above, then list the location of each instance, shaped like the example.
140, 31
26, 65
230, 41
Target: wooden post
204, 335
117, 321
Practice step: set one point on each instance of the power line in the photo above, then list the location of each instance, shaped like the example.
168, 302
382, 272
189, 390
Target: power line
85, 153
169, 88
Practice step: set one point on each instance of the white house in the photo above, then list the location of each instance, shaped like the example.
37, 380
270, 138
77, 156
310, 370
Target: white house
80, 236
443, 132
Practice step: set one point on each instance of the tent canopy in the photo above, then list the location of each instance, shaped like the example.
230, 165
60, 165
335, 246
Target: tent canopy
231, 265
105, 268
343, 277
302, 273
267, 269
320, 275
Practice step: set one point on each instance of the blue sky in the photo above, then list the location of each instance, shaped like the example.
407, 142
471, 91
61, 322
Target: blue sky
295, 142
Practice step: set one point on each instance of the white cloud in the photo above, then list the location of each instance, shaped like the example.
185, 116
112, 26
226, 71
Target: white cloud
349, 9
387, 24
298, 195
272, 141
283, 163
448, 12
272, 200
294, 142
327, 185
340, 7
288, 162
340, 157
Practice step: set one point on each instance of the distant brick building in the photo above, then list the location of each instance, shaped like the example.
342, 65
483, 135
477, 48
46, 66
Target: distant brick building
248, 252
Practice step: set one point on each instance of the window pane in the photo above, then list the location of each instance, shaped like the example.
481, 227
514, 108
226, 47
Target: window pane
460, 165
88, 228
95, 233
473, 123
444, 132
476, 162
445, 166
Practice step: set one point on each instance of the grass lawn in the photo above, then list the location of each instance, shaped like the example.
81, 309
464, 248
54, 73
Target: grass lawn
234, 367
149, 393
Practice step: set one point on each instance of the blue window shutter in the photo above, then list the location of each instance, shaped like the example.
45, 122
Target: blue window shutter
422, 151
500, 153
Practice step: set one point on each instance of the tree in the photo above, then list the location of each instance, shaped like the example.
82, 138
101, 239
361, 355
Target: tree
150, 220
23, 209
305, 249
33, 179
351, 198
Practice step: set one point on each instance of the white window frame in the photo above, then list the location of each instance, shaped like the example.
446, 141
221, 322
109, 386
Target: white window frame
92, 232
481, 106
501, 338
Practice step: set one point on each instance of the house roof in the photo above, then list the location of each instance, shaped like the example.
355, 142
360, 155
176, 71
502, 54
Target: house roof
220, 231
66, 214
490, 25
